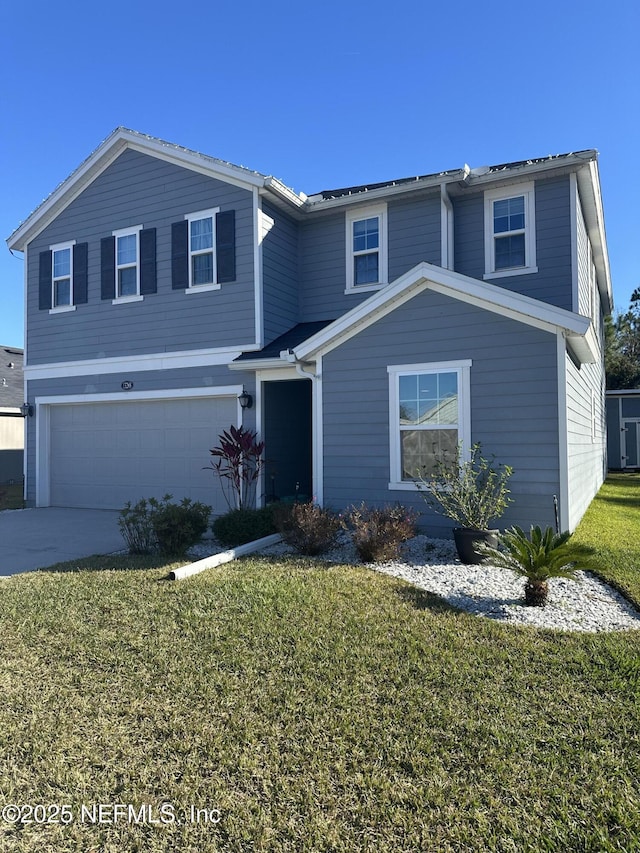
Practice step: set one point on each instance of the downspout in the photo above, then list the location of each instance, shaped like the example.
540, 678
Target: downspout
446, 229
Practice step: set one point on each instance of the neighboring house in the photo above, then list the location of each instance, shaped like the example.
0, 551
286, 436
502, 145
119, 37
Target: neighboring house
376, 328
623, 430
11, 420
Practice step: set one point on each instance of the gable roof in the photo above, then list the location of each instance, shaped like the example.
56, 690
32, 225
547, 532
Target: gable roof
121, 139
584, 163
577, 329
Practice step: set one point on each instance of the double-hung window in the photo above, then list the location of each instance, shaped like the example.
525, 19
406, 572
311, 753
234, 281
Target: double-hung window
62, 275
202, 254
366, 248
127, 263
429, 418
510, 239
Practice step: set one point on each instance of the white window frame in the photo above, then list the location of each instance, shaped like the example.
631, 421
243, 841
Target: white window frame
127, 232
61, 309
194, 217
356, 215
463, 369
502, 194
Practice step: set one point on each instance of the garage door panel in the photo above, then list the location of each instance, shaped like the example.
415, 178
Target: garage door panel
104, 454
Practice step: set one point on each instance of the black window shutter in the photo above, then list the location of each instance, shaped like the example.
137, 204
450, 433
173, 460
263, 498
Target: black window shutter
108, 268
180, 255
148, 279
44, 297
226, 246
80, 273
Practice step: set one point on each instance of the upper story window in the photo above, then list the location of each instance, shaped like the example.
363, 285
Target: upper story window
202, 259
203, 250
429, 418
509, 230
62, 275
127, 266
366, 248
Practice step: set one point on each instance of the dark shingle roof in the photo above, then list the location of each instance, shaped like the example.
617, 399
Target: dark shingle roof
287, 341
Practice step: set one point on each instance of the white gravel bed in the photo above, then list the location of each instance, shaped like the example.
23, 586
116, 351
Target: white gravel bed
432, 564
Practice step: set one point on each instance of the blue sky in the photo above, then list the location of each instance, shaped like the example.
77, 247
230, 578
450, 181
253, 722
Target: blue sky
321, 95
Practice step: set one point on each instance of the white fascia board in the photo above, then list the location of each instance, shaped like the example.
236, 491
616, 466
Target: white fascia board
591, 199
134, 364
103, 157
490, 297
258, 364
380, 193
139, 396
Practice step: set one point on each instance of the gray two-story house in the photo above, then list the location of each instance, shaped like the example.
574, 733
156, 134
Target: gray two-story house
376, 329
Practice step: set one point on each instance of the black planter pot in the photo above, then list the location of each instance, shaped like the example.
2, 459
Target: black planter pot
467, 538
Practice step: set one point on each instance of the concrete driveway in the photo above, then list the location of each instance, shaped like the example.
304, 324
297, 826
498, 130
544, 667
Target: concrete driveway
38, 538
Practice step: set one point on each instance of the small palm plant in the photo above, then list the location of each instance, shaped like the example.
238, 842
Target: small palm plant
538, 557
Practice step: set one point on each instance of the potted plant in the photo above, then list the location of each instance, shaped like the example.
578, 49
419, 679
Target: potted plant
538, 557
472, 492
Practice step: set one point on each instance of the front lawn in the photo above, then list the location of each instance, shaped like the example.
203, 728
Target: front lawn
309, 709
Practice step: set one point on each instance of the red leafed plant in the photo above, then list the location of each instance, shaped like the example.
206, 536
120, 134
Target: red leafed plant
238, 463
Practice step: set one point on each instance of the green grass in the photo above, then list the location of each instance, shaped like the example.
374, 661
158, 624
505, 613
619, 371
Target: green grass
319, 709
611, 525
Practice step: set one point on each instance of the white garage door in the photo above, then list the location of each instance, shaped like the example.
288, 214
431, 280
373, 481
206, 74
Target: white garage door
104, 454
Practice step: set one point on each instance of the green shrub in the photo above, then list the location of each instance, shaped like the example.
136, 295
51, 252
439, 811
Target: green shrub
378, 532
307, 527
243, 525
136, 525
153, 525
179, 526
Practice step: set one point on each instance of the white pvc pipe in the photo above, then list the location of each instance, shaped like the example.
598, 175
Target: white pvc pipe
223, 557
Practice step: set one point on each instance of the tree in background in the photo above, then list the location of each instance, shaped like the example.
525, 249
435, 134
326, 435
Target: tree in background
622, 347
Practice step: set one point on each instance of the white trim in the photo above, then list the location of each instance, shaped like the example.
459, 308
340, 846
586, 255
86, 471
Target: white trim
62, 309
357, 214
563, 436
211, 214
134, 363
202, 288
446, 229
124, 300
119, 234
498, 300
317, 433
43, 420
462, 368
527, 190
259, 221
106, 153
62, 247
573, 212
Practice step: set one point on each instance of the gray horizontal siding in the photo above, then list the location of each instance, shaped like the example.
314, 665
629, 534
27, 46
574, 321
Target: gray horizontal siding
279, 274
586, 448
413, 236
513, 403
140, 190
553, 281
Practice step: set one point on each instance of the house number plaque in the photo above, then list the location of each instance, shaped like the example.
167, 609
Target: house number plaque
127, 385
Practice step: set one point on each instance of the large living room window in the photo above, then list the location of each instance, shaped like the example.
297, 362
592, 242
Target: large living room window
510, 231
366, 248
429, 418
